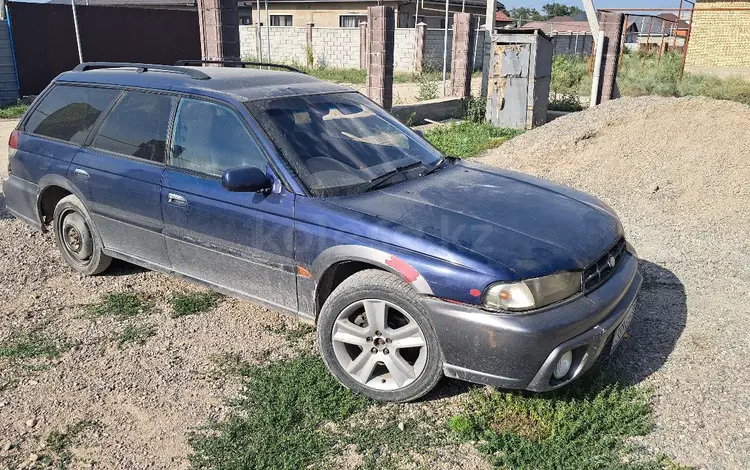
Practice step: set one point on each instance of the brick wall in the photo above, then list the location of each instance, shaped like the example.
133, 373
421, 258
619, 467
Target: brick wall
340, 47
720, 39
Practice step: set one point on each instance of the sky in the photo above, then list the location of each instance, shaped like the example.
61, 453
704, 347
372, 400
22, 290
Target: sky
597, 3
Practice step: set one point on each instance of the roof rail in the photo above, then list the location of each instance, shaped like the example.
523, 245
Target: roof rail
237, 62
140, 68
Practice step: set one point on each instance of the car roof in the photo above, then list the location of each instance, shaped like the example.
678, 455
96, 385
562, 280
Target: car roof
244, 84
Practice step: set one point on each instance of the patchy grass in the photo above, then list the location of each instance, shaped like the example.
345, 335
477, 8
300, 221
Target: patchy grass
468, 139
120, 305
278, 421
135, 333
645, 74
13, 111
570, 76
191, 303
581, 427
60, 442
291, 333
30, 345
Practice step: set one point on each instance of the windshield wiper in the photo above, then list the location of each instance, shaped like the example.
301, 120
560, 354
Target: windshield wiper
382, 179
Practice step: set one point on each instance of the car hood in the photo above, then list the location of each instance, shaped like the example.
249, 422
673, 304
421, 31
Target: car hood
529, 225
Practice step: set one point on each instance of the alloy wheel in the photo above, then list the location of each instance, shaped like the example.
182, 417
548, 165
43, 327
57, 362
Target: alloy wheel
379, 344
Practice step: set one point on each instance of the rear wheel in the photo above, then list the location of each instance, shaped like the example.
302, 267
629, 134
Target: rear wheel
78, 244
375, 338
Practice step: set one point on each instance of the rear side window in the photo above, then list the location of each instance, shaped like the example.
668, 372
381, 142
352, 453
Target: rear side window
137, 126
210, 138
69, 112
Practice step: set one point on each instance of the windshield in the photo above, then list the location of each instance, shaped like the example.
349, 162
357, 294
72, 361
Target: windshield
342, 143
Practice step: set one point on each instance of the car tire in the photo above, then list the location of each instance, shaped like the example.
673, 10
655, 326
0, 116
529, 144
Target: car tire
395, 357
76, 238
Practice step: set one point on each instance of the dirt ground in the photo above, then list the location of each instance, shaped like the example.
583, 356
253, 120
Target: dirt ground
675, 170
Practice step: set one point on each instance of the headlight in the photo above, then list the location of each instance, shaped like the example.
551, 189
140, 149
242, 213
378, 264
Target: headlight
532, 293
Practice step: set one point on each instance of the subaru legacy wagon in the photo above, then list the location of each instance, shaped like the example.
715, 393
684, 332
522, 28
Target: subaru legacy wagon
308, 198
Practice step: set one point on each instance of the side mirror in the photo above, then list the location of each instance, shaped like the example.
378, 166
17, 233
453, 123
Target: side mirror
419, 132
248, 179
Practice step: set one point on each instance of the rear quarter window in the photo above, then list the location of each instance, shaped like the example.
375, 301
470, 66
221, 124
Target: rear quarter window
69, 112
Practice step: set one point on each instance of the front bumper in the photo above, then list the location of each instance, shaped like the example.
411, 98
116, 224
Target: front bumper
520, 351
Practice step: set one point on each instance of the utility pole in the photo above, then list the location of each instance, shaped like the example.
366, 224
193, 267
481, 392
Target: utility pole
491, 11
78, 34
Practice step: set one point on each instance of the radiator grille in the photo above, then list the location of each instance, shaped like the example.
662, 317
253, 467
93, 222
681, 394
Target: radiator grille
598, 273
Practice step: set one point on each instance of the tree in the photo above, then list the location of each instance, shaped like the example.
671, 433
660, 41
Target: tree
558, 9
524, 15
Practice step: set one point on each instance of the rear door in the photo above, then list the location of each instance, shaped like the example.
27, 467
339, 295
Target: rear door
240, 241
121, 171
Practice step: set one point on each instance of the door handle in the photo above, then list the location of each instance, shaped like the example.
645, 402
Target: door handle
81, 174
177, 200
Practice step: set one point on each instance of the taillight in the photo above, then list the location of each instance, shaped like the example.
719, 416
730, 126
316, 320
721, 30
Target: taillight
13, 143
12, 146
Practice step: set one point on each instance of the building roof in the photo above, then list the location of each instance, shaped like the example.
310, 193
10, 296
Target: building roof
129, 3
560, 24
500, 16
241, 83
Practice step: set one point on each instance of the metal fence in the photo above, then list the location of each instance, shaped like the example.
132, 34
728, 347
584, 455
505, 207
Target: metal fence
45, 42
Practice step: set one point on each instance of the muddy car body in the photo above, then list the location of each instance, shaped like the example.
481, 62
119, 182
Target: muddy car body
308, 198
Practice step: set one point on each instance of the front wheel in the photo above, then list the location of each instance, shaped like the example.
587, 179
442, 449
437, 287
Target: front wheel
375, 338
79, 246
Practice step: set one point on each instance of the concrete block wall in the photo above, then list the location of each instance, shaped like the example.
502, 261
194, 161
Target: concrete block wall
403, 51
719, 39
336, 47
340, 47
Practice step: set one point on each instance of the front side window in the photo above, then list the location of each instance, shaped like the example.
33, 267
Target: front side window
69, 112
137, 126
210, 138
341, 143
281, 20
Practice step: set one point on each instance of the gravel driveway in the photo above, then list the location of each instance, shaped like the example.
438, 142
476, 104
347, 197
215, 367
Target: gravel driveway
676, 170
678, 173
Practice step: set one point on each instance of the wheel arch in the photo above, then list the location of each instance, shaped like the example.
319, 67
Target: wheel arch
340, 262
52, 188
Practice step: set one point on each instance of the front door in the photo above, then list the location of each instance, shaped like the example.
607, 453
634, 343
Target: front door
121, 172
240, 241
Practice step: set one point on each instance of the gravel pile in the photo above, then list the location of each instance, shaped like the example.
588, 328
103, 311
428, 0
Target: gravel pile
678, 173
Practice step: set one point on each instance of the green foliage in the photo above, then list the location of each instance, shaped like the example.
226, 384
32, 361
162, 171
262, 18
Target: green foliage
120, 305
525, 15
566, 103
578, 428
475, 109
29, 345
731, 88
429, 85
279, 420
13, 111
570, 76
309, 55
644, 74
135, 333
191, 303
60, 442
468, 139
558, 9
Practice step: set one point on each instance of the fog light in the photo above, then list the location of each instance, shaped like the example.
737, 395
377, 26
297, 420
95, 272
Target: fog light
563, 365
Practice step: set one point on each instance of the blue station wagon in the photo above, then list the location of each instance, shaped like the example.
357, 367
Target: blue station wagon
308, 198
